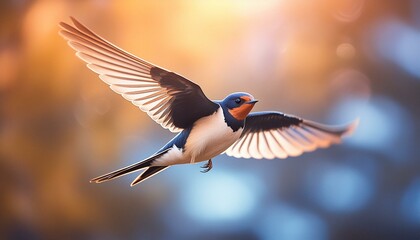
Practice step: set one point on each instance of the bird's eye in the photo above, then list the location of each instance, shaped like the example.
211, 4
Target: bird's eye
238, 100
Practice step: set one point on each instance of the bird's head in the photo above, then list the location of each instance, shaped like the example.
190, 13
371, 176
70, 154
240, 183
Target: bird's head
239, 104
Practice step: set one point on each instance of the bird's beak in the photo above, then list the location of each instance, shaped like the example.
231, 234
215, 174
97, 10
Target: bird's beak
252, 102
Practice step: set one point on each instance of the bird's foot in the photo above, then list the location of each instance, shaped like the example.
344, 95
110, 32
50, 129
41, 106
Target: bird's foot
208, 166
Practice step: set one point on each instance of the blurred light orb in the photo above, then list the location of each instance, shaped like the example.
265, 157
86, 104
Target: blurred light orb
220, 196
348, 10
350, 82
346, 51
285, 222
382, 122
399, 43
44, 14
340, 188
410, 204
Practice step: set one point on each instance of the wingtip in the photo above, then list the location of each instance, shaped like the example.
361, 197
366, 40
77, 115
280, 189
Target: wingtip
73, 19
63, 24
351, 127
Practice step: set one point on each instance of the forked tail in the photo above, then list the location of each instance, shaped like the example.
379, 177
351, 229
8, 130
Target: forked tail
135, 167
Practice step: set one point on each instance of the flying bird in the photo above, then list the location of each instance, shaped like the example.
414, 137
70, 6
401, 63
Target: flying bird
206, 128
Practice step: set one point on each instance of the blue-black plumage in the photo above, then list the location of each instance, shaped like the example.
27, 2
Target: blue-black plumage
205, 128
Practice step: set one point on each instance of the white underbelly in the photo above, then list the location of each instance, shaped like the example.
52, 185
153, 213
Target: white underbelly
209, 137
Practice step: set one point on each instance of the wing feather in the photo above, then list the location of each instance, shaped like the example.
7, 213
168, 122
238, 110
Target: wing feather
276, 135
168, 98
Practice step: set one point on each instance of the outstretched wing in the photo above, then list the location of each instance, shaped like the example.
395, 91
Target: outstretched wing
168, 98
276, 135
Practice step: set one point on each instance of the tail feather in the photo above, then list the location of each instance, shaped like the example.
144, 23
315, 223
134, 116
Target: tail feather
128, 169
150, 172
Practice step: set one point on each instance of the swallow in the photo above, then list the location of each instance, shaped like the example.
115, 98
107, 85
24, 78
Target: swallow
204, 128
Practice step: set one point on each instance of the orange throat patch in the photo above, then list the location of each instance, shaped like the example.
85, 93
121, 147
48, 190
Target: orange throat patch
240, 113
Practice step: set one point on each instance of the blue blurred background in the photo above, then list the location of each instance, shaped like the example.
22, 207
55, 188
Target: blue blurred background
326, 60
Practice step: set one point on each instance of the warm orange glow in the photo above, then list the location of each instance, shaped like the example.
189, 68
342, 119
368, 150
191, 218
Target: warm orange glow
60, 125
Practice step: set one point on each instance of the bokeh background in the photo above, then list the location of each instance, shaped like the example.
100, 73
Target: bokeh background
326, 60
